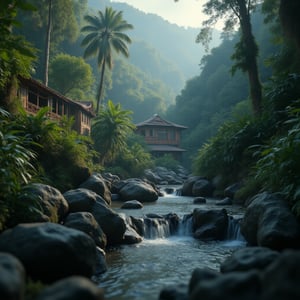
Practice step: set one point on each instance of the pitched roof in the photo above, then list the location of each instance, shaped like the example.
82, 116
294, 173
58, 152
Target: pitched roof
156, 120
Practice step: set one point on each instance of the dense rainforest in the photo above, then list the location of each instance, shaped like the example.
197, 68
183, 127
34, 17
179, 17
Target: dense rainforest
228, 141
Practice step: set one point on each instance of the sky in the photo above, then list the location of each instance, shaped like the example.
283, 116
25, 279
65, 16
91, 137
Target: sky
186, 13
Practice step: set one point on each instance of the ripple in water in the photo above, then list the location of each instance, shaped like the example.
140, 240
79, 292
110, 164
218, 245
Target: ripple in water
140, 271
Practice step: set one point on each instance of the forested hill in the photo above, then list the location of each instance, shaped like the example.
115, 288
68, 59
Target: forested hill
162, 56
174, 47
215, 95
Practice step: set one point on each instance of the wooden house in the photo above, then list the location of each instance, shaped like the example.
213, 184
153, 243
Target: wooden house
35, 95
162, 137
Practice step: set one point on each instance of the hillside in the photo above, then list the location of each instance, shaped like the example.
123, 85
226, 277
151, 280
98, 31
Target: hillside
174, 47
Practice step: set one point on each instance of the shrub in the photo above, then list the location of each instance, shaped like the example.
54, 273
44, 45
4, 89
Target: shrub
16, 168
229, 154
278, 166
167, 161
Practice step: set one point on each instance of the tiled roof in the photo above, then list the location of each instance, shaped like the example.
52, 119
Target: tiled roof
165, 148
156, 120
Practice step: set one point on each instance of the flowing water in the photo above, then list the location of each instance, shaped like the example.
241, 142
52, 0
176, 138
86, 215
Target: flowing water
141, 270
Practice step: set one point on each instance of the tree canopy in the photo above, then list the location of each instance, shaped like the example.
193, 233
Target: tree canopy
105, 34
63, 67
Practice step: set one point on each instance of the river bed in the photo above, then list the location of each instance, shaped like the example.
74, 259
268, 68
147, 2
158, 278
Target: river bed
140, 271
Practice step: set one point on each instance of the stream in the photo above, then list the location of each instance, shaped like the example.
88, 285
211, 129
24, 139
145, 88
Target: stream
140, 271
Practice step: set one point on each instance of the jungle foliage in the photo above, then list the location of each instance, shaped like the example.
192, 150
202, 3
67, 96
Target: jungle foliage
261, 151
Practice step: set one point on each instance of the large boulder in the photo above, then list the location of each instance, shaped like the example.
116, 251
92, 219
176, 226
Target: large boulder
281, 278
268, 222
51, 204
50, 251
203, 188
249, 258
210, 224
187, 188
12, 278
85, 222
82, 199
98, 184
136, 189
229, 286
72, 288
110, 222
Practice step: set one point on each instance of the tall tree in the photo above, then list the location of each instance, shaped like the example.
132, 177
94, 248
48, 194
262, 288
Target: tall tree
105, 35
69, 75
47, 43
234, 12
36, 29
110, 130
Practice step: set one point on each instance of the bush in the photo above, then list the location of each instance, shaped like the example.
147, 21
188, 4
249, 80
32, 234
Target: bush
278, 166
65, 158
16, 169
167, 161
229, 154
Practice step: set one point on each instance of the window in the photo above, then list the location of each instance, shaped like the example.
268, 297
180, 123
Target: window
162, 134
172, 135
151, 132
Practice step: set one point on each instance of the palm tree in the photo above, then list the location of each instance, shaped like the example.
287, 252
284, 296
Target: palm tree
105, 34
110, 129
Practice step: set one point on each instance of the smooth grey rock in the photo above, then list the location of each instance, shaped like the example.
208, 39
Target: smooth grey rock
50, 251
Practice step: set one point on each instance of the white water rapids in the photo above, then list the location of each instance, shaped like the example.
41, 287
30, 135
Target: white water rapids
140, 271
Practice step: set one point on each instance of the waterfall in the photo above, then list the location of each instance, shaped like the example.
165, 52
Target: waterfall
155, 228
233, 230
185, 227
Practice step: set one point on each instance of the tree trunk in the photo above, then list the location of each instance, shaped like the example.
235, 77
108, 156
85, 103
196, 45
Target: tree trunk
251, 52
47, 44
289, 18
100, 92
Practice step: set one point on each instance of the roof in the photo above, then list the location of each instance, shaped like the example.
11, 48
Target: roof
165, 148
156, 120
85, 106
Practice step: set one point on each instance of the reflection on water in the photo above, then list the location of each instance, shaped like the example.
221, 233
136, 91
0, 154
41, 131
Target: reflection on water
140, 271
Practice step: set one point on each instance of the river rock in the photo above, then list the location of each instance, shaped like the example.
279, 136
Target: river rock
151, 176
231, 190
210, 224
175, 292
199, 275
136, 189
199, 200
85, 222
202, 187
101, 266
12, 278
52, 206
50, 251
225, 201
132, 204
98, 184
82, 199
249, 258
268, 222
131, 236
281, 278
72, 288
187, 186
110, 222
230, 286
